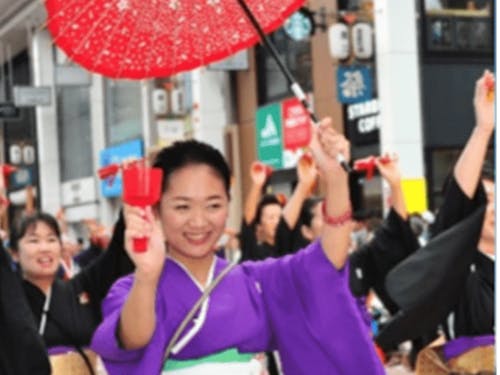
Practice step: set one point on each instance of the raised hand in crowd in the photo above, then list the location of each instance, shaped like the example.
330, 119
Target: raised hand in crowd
259, 174
388, 167
307, 175
61, 220
98, 234
468, 167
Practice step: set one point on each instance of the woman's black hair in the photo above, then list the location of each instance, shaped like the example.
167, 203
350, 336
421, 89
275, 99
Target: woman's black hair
29, 222
191, 152
307, 210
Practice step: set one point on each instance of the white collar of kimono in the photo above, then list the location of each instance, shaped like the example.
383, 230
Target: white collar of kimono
200, 320
210, 275
45, 310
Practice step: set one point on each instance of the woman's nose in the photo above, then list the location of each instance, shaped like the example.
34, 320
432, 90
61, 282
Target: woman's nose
197, 217
45, 246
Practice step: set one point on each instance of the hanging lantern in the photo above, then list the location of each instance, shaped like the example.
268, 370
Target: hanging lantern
15, 154
28, 154
338, 41
362, 40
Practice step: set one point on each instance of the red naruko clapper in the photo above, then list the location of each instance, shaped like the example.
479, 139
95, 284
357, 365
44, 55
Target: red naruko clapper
141, 187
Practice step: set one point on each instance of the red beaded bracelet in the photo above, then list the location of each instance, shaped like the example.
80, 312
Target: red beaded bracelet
336, 221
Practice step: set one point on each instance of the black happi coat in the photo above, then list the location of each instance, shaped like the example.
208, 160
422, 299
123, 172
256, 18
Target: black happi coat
75, 306
473, 312
74, 310
447, 276
369, 265
22, 351
251, 249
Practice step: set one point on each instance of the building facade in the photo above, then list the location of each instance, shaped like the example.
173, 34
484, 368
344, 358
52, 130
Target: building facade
426, 58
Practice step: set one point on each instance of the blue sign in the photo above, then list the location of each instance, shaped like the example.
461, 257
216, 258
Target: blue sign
116, 154
22, 177
354, 84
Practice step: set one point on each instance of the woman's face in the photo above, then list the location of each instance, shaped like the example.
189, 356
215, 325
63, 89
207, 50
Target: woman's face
269, 220
314, 230
193, 211
39, 252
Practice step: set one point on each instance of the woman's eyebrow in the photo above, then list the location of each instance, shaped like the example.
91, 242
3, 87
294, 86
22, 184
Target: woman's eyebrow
215, 197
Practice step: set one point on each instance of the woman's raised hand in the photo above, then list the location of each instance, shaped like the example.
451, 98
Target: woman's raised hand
326, 144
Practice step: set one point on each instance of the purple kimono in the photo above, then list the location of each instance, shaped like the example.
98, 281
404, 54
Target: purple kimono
299, 304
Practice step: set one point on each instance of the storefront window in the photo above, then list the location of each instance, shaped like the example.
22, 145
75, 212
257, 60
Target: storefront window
296, 55
123, 111
75, 145
442, 164
457, 28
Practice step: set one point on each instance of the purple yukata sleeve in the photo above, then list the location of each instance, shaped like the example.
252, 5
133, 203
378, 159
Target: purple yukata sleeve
316, 323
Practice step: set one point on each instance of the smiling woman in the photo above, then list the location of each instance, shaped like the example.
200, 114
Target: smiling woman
299, 304
196, 219
64, 313
38, 250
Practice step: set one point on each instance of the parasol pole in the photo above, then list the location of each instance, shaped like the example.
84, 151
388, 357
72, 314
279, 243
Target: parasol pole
292, 82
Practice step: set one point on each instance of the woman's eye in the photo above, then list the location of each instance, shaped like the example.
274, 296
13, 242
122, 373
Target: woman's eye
214, 206
183, 207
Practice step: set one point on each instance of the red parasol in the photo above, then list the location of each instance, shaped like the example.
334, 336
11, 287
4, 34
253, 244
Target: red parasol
152, 38
145, 38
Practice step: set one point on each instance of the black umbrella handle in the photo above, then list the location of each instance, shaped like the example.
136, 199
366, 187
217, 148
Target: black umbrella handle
292, 82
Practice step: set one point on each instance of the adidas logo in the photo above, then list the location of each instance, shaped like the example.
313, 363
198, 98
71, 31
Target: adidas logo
269, 129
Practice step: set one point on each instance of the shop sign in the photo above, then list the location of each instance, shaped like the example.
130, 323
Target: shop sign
28, 96
296, 124
363, 122
283, 129
22, 177
8, 111
300, 25
78, 191
171, 130
116, 154
354, 84
268, 135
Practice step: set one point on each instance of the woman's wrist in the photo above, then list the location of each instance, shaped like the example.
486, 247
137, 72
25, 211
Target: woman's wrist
484, 129
394, 184
336, 220
146, 279
304, 187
